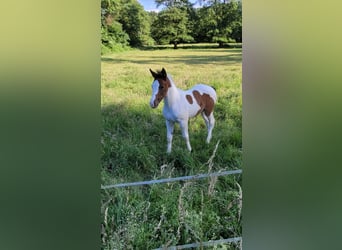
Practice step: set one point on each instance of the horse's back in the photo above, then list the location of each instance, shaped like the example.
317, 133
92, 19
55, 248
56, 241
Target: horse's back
205, 89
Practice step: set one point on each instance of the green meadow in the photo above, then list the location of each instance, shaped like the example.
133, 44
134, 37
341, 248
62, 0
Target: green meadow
133, 143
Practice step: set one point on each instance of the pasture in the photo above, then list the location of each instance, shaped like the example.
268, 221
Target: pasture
133, 143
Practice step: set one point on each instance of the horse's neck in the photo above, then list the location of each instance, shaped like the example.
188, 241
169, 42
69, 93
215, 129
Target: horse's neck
172, 96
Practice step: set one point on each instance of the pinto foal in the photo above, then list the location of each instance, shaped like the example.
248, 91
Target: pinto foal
180, 105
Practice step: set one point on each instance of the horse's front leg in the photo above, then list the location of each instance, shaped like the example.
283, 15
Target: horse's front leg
169, 134
184, 127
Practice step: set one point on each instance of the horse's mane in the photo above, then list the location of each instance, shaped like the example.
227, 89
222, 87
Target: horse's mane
170, 78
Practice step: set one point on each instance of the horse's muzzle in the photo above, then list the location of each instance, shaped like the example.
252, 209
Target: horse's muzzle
153, 104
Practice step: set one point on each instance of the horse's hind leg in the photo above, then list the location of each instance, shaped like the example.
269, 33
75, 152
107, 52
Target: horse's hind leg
210, 122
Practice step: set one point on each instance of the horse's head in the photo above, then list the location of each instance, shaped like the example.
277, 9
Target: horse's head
160, 86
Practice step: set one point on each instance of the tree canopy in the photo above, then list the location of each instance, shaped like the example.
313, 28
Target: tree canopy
170, 26
126, 23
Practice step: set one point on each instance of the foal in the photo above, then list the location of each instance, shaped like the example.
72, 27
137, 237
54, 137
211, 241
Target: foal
180, 105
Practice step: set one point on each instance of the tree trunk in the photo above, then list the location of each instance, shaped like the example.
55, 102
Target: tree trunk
175, 45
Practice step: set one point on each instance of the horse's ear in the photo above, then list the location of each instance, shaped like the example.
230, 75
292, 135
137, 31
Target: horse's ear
154, 74
163, 73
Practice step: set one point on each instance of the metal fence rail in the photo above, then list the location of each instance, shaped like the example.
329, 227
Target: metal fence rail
191, 177
202, 244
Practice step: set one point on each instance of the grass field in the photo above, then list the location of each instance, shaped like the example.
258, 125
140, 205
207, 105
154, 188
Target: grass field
134, 149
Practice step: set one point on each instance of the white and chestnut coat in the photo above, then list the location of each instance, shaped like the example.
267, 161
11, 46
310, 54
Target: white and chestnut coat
180, 105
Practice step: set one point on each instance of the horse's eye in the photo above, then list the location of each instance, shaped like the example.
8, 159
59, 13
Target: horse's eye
161, 86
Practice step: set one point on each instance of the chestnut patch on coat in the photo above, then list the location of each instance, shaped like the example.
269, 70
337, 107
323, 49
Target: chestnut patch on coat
205, 102
164, 85
189, 98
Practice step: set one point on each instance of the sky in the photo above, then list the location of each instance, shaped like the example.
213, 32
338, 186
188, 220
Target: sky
150, 5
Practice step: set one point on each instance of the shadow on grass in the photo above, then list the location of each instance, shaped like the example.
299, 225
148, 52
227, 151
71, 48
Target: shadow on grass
193, 46
185, 59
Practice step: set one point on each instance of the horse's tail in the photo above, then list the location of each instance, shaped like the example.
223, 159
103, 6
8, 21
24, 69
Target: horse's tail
215, 93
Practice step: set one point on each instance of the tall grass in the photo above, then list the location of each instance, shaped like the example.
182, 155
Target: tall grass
134, 145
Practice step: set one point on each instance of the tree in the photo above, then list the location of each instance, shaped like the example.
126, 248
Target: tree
219, 22
124, 22
136, 22
112, 34
229, 22
206, 24
173, 3
237, 23
171, 27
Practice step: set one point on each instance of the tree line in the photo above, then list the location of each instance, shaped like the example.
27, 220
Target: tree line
125, 23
